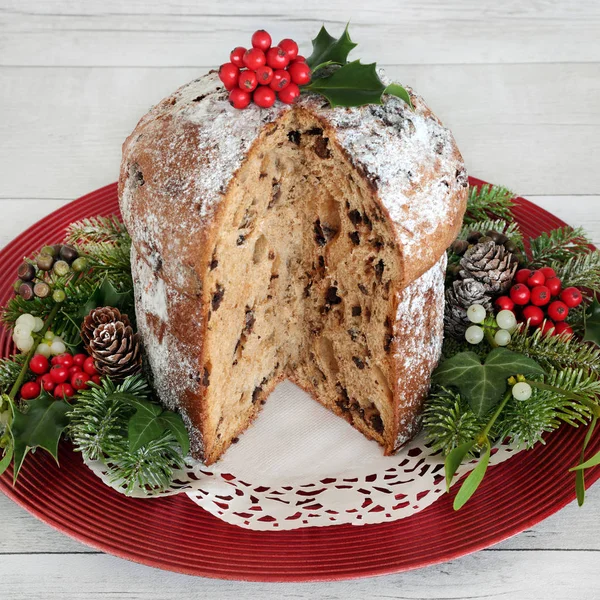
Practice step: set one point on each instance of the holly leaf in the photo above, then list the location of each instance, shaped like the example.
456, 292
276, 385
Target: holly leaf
326, 49
395, 89
40, 427
174, 423
483, 385
105, 294
354, 84
592, 323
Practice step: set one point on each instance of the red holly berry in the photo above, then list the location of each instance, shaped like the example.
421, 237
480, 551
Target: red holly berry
63, 390
300, 73
228, 74
540, 295
79, 359
534, 315
548, 327
47, 382
65, 359
553, 284
558, 311
248, 81
280, 81
277, 58
264, 96
254, 58
536, 278
237, 56
261, 39
572, 297
548, 272
55, 360
561, 328
89, 367
39, 364
299, 58
504, 303
96, 379
80, 380
290, 47
264, 75
520, 294
289, 94
59, 373
239, 98
75, 369
522, 275
30, 390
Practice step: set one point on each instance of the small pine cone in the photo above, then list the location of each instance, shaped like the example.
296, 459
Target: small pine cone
100, 316
455, 317
490, 264
470, 291
116, 350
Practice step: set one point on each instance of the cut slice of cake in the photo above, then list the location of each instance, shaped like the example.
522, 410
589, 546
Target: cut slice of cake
298, 242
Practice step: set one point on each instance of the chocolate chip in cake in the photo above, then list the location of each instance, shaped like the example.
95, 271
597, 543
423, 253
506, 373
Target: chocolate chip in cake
319, 235
356, 310
355, 217
354, 237
137, 176
321, 149
377, 423
314, 131
199, 98
379, 269
358, 362
217, 296
294, 137
363, 289
249, 320
241, 239
377, 243
354, 333
332, 296
387, 342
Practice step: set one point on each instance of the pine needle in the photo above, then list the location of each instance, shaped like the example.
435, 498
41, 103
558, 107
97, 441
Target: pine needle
96, 229
489, 201
558, 245
580, 270
10, 368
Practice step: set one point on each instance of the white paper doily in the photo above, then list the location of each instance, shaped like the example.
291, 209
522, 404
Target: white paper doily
301, 466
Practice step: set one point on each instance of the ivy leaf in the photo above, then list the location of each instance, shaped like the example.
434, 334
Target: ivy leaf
454, 460
40, 427
354, 84
326, 49
475, 477
395, 89
144, 426
174, 423
592, 323
483, 385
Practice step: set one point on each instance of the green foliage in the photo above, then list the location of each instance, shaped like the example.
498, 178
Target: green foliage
39, 425
483, 385
556, 352
558, 245
474, 479
489, 201
110, 423
580, 270
592, 323
10, 368
449, 421
96, 230
346, 83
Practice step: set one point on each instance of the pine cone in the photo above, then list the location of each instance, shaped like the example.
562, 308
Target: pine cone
116, 350
99, 316
455, 317
490, 264
469, 291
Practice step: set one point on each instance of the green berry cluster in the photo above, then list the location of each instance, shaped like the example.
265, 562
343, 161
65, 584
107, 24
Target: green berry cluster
37, 278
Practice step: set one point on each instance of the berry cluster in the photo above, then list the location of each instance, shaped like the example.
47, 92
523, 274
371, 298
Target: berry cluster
264, 72
539, 300
63, 376
23, 337
501, 326
37, 278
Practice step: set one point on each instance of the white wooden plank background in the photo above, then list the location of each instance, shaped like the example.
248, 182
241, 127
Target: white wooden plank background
519, 84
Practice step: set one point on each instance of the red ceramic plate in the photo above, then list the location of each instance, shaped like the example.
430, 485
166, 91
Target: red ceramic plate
175, 534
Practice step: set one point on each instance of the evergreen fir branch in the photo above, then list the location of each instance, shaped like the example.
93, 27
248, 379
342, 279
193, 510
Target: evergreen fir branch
449, 421
96, 230
510, 230
99, 429
524, 423
489, 200
112, 261
10, 368
556, 352
558, 245
580, 270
